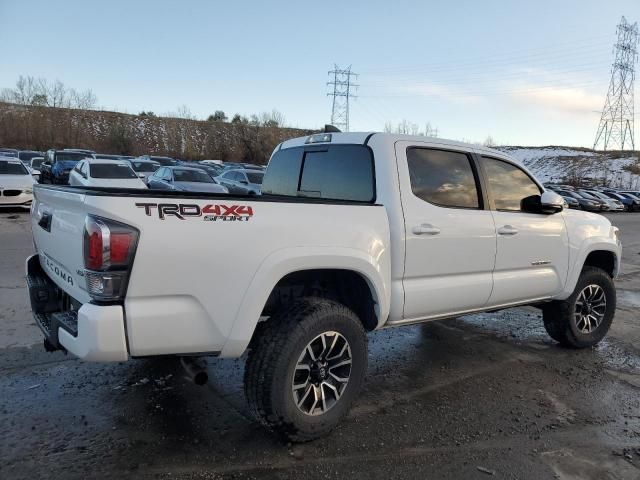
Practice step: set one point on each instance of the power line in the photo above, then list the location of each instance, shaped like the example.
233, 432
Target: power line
341, 94
546, 52
616, 123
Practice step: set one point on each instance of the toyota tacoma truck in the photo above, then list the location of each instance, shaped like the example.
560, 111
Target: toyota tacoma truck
353, 232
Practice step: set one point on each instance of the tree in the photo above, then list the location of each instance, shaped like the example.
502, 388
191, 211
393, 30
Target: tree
409, 128
489, 141
272, 119
237, 118
119, 139
218, 116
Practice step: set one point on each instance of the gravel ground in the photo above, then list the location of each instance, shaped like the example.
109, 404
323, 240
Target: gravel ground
475, 397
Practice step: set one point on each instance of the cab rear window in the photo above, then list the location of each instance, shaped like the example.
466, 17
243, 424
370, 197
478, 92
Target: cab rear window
331, 172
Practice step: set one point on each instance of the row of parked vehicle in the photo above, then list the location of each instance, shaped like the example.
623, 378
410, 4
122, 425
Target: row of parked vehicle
598, 199
80, 167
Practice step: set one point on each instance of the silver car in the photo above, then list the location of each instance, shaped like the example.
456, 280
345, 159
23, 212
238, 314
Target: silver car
242, 181
185, 179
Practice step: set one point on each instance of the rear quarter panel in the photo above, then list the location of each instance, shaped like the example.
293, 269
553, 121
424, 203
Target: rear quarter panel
196, 284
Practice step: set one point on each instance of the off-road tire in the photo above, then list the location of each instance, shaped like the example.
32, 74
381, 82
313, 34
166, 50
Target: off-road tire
272, 361
559, 316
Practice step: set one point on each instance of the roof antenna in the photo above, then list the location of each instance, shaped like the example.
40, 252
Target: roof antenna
331, 129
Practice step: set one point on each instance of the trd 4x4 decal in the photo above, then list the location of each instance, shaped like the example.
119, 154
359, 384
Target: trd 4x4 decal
211, 212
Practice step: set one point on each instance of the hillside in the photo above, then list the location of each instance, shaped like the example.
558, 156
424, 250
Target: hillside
567, 164
41, 128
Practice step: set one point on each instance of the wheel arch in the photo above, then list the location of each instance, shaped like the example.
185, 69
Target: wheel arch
351, 269
605, 255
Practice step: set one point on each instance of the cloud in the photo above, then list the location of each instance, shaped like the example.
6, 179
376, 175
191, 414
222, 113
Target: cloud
560, 98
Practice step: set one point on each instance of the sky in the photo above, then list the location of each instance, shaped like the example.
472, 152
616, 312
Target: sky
524, 73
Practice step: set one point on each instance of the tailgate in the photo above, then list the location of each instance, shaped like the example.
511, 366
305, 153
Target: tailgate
57, 222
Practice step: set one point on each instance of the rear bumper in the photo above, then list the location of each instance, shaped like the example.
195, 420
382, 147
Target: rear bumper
92, 332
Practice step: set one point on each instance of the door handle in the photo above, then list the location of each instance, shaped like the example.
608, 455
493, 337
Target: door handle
426, 229
507, 230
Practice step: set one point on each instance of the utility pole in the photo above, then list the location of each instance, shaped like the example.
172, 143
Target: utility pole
342, 88
616, 122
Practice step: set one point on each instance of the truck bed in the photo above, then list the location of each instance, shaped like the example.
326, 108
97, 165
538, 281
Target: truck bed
206, 263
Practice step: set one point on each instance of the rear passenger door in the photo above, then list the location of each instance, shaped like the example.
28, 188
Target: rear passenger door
533, 251
450, 238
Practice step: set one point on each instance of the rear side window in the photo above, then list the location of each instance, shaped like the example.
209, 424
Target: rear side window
508, 184
332, 172
443, 178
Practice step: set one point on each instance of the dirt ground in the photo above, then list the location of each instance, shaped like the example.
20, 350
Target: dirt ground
481, 396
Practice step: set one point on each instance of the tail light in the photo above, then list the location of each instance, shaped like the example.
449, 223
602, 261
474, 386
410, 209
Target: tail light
109, 248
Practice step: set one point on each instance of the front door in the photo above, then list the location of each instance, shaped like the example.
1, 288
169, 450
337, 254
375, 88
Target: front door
450, 237
533, 251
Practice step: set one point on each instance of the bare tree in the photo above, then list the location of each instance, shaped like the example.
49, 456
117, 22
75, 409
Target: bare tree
489, 141
409, 128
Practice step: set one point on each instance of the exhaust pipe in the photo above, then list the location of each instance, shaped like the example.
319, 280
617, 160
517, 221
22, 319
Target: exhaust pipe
195, 370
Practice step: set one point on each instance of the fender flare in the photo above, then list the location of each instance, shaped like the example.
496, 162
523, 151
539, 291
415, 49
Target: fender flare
591, 245
283, 262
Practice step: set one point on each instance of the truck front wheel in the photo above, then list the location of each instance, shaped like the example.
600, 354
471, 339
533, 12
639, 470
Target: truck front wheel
583, 319
306, 368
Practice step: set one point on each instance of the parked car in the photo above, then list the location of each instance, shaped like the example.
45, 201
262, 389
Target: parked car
213, 170
88, 153
108, 156
104, 173
246, 182
34, 167
9, 152
57, 165
25, 156
370, 231
144, 168
629, 204
212, 162
613, 204
164, 161
185, 179
571, 202
591, 205
589, 195
16, 183
635, 193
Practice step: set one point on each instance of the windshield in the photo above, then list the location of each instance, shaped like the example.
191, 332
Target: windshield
255, 177
111, 170
191, 176
12, 168
36, 162
145, 166
587, 195
70, 156
599, 195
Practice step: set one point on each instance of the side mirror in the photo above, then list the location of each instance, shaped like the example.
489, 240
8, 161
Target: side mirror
244, 182
547, 203
551, 202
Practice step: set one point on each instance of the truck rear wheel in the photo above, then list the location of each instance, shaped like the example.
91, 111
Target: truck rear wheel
583, 319
306, 368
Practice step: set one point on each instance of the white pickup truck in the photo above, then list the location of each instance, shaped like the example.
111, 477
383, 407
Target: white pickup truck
354, 232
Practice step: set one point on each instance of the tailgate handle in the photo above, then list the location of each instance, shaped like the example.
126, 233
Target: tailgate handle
45, 221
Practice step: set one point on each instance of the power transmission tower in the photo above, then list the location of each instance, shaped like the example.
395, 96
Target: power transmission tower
341, 94
616, 123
